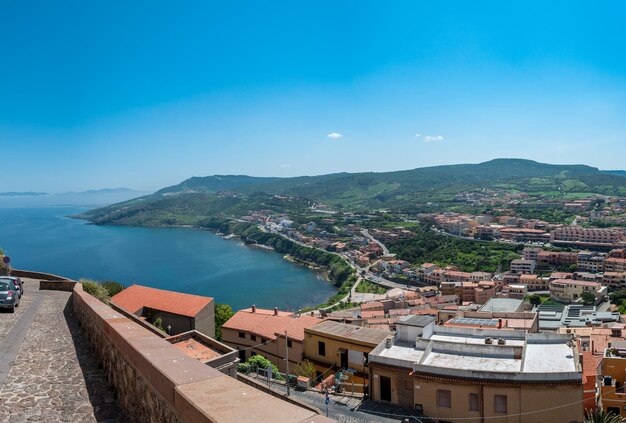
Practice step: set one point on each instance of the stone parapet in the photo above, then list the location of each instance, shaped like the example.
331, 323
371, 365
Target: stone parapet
156, 382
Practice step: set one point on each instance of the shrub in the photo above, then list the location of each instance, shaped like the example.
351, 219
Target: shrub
112, 287
95, 289
261, 363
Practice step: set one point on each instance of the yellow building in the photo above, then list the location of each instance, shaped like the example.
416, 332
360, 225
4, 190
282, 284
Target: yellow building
333, 346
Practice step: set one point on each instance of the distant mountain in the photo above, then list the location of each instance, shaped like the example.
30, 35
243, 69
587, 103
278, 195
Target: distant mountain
233, 196
615, 172
91, 198
22, 194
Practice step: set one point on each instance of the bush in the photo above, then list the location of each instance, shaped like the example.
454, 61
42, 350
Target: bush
96, 289
261, 363
112, 287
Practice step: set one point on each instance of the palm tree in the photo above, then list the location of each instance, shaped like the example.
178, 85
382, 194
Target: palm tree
601, 416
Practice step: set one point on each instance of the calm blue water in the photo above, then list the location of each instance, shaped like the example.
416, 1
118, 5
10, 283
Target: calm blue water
184, 260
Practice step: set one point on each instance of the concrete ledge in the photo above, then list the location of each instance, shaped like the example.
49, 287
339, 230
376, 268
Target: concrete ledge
37, 275
57, 285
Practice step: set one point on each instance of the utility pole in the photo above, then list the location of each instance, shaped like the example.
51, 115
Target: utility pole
287, 360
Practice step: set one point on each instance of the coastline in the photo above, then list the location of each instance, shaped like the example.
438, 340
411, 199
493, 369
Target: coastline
337, 272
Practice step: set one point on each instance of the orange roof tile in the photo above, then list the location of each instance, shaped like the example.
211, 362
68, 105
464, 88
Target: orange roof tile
135, 297
264, 323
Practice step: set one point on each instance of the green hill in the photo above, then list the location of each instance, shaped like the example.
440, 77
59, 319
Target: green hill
235, 195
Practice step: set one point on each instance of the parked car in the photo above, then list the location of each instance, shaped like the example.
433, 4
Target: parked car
17, 282
9, 294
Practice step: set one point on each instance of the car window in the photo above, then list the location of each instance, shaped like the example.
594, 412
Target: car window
4, 286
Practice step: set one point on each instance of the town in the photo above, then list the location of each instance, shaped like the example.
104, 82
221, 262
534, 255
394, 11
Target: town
420, 340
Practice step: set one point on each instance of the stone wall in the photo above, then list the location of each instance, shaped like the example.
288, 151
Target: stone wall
37, 275
156, 382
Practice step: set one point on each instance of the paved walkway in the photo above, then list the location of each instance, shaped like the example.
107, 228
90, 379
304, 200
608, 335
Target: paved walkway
48, 372
347, 409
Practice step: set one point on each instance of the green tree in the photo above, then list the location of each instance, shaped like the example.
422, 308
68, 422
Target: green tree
223, 312
261, 363
618, 297
535, 299
588, 298
305, 368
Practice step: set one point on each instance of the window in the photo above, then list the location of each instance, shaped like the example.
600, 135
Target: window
253, 337
444, 398
321, 348
473, 402
408, 385
289, 343
499, 404
242, 335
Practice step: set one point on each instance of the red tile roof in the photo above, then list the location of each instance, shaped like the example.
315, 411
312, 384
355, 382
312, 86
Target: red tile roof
135, 297
264, 323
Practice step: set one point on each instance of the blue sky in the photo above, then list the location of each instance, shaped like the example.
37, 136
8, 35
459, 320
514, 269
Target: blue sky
146, 94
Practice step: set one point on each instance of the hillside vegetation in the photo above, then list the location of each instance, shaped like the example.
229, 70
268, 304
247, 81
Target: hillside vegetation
233, 196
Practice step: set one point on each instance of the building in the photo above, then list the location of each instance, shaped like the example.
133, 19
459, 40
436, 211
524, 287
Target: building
588, 261
515, 291
524, 235
615, 280
333, 346
523, 267
555, 317
614, 264
556, 258
450, 372
473, 292
178, 312
612, 369
503, 305
531, 253
270, 333
534, 282
586, 237
569, 290
207, 350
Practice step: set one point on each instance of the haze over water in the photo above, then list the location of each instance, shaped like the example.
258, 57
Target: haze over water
184, 260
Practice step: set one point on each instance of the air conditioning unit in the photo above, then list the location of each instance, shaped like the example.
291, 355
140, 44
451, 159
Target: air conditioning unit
501, 341
488, 341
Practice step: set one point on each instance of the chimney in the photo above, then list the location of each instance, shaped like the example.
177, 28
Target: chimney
275, 311
312, 314
388, 342
253, 308
499, 323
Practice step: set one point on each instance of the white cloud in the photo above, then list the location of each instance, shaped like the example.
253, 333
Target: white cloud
334, 135
285, 166
429, 138
418, 135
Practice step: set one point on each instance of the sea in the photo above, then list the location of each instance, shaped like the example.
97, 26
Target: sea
185, 260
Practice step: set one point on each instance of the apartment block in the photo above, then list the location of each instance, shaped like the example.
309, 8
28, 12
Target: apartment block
569, 290
523, 267
614, 264
450, 372
590, 237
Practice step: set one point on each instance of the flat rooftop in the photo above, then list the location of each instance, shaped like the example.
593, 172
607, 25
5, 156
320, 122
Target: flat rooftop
197, 349
460, 352
502, 305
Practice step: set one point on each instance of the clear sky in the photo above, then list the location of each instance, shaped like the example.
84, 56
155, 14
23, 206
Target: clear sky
98, 94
